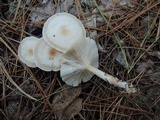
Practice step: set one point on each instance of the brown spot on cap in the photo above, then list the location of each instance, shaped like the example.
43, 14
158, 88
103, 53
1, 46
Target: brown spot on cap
52, 52
30, 52
64, 31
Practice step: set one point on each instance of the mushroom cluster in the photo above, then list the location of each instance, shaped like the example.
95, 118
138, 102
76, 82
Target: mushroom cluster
65, 47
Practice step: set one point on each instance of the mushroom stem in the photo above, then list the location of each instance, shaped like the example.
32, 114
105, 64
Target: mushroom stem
112, 80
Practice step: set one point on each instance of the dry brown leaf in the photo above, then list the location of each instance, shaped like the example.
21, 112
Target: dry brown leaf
66, 103
73, 109
109, 3
67, 6
16, 111
12, 109
42, 12
91, 22
115, 7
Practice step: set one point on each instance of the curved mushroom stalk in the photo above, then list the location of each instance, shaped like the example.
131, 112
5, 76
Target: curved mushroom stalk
112, 80
80, 63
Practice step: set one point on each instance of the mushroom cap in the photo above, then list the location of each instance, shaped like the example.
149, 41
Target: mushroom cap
61, 30
25, 51
75, 60
46, 57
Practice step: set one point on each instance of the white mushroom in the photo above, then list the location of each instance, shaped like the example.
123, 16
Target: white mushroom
74, 62
80, 63
46, 57
25, 51
62, 30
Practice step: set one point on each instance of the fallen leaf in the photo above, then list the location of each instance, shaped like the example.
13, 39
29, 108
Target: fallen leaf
42, 12
65, 6
115, 7
120, 58
12, 109
89, 3
142, 66
111, 3
91, 22
73, 109
16, 110
66, 103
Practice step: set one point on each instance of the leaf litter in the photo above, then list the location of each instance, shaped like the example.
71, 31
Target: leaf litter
42, 11
67, 103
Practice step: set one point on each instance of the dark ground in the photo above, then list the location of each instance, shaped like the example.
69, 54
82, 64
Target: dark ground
128, 35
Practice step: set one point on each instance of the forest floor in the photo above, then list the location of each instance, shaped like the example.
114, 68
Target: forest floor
127, 33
